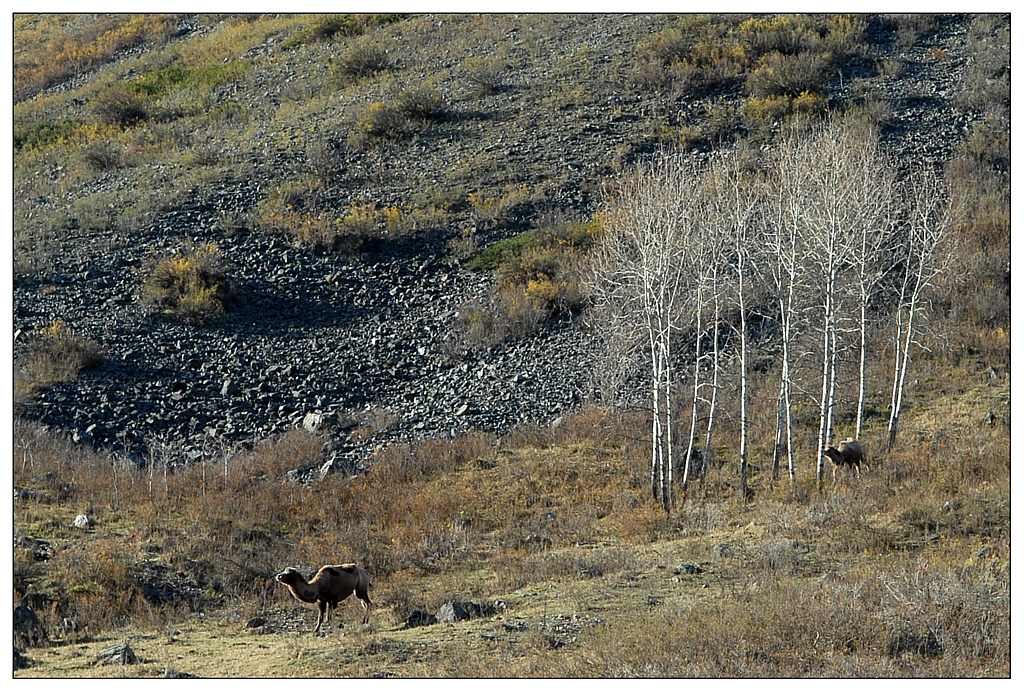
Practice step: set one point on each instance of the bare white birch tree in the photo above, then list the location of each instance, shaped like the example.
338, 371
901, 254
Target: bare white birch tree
715, 288
837, 189
927, 253
638, 284
787, 277
705, 255
875, 178
736, 209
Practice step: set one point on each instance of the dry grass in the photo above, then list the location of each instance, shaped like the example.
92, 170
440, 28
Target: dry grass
54, 354
51, 48
191, 285
774, 55
556, 508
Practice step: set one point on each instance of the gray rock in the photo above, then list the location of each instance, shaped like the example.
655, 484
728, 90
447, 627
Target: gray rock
687, 568
118, 654
456, 611
419, 618
312, 422
452, 612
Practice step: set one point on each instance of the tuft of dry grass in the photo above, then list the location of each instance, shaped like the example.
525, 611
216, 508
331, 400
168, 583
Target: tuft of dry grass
364, 58
191, 285
54, 354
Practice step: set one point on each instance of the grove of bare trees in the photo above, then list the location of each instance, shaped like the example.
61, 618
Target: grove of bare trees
818, 245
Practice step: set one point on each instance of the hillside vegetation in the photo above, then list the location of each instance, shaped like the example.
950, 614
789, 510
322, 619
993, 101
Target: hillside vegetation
294, 290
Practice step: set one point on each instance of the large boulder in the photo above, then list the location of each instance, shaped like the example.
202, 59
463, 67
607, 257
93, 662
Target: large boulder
118, 654
419, 618
455, 611
161, 585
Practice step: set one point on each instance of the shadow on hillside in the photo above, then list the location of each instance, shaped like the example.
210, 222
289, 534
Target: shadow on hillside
263, 309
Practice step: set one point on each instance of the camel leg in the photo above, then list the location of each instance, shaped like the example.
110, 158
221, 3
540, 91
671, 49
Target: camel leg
322, 607
834, 479
366, 609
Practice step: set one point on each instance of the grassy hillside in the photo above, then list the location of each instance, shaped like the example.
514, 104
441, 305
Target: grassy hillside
902, 573
201, 200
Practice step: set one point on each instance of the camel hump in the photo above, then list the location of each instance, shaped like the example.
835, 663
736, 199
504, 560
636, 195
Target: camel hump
349, 567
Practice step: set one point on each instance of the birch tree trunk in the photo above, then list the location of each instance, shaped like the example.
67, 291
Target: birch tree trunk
744, 490
861, 370
714, 382
696, 389
823, 403
777, 442
928, 234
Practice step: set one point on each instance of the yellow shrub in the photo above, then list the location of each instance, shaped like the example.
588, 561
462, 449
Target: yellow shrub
191, 285
808, 102
542, 288
392, 218
763, 111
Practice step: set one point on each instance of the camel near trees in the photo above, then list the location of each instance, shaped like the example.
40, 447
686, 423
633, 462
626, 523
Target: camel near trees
850, 454
331, 585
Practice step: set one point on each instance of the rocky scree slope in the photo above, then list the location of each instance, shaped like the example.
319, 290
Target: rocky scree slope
335, 336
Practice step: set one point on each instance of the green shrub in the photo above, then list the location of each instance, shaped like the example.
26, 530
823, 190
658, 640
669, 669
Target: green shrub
792, 53
364, 58
411, 111
377, 121
43, 133
191, 285
485, 74
763, 112
297, 208
778, 74
162, 81
423, 103
500, 252
102, 156
118, 106
326, 27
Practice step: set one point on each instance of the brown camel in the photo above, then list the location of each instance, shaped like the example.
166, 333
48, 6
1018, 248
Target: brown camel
329, 587
849, 454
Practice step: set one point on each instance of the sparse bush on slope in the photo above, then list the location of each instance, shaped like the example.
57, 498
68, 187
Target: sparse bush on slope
191, 285
364, 58
55, 354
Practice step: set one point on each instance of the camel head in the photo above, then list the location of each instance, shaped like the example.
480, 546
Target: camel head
290, 577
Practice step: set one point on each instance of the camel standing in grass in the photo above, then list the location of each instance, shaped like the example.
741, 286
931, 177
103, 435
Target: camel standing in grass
850, 454
331, 585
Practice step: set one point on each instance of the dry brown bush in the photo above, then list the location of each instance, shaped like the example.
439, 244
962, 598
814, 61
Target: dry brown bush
54, 354
191, 285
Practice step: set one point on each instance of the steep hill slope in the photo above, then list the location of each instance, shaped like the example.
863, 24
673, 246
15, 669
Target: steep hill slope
370, 335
